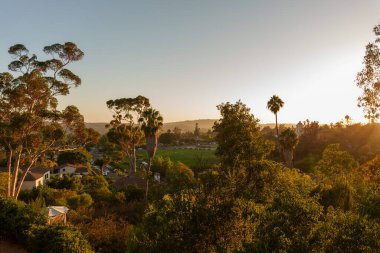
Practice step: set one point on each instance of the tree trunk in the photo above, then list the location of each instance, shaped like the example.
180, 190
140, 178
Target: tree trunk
9, 165
22, 180
15, 175
147, 180
276, 125
151, 148
288, 157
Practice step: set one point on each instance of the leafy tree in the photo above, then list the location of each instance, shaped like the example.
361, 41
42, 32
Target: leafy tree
288, 140
179, 177
30, 124
347, 232
126, 127
167, 138
197, 130
274, 105
57, 238
368, 79
81, 156
152, 122
82, 201
335, 161
238, 135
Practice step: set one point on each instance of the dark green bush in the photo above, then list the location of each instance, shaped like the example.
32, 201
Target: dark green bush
16, 218
57, 238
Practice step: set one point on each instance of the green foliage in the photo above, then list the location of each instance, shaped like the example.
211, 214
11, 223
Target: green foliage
194, 158
347, 232
191, 222
132, 193
368, 80
3, 183
287, 224
82, 201
167, 138
335, 161
65, 182
179, 177
16, 219
74, 157
107, 234
57, 238
97, 187
369, 204
239, 137
339, 194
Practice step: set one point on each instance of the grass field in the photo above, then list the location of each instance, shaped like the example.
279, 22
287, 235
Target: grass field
194, 158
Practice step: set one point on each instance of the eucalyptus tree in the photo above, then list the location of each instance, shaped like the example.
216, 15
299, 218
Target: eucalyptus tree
152, 123
368, 79
274, 105
240, 141
30, 123
125, 127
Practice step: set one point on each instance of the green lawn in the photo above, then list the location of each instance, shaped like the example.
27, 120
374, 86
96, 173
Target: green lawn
194, 158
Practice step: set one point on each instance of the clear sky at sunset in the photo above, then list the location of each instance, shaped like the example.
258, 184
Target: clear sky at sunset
189, 56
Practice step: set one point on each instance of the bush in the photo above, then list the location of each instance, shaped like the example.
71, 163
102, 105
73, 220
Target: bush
107, 234
16, 218
57, 238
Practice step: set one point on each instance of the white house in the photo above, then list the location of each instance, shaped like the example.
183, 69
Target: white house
71, 169
35, 177
65, 169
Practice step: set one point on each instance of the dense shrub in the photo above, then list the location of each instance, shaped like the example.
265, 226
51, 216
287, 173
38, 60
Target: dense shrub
57, 238
16, 218
107, 234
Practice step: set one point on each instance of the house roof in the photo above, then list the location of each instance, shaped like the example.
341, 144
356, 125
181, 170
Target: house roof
67, 165
81, 169
56, 210
35, 173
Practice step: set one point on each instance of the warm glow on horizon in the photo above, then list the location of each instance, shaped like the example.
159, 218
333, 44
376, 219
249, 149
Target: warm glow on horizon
188, 57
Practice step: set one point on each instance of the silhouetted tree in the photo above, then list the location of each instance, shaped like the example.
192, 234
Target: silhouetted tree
368, 79
152, 123
30, 124
274, 105
126, 127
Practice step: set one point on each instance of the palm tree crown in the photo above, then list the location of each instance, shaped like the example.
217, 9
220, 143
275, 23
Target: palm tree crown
274, 105
152, 122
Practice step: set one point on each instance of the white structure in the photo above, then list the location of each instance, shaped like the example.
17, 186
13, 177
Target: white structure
56, 214
156, 176
35, 177
71, 169
65, 169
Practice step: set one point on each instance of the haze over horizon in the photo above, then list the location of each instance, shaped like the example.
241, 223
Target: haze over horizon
189, 56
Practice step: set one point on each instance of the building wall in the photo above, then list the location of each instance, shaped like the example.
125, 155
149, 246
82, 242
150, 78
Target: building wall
67, 170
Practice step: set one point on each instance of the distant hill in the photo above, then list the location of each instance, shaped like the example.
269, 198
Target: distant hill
185, 126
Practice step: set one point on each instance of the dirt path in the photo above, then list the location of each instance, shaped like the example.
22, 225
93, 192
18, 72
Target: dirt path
8, 247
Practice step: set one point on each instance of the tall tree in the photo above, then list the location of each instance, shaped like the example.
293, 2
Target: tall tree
152, 123
368, 79
126, 127
240, 141
30, 124
288, 140
274, 105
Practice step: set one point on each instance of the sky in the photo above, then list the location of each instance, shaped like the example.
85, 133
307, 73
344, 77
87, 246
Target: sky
187, 56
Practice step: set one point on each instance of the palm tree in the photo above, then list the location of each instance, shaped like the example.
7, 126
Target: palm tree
152, 122
274, 105
288, 140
